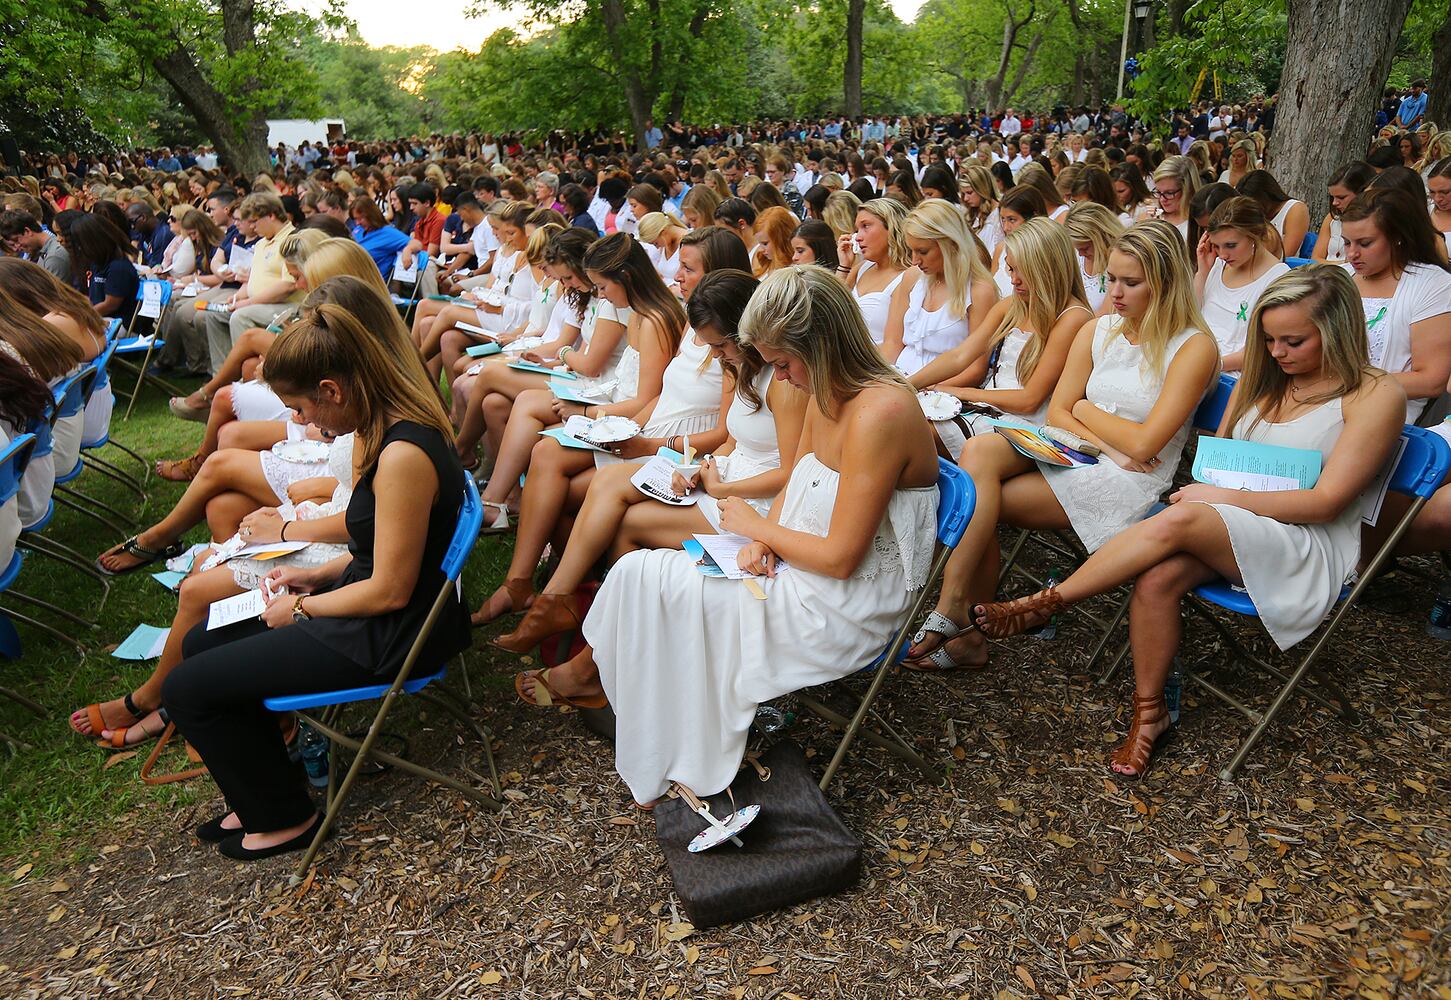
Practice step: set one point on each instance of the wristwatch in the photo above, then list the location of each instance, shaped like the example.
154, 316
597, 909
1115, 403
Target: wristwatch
299, 613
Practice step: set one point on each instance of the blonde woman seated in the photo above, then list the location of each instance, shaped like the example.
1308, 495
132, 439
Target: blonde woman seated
1307, 383
873, 260
247, 414
980, 203
685, 660
947, 292
663, 234
504, 305
1015, 356
1130, 386
585, 336
625, 277
1093, 230
763, 423
1236, 265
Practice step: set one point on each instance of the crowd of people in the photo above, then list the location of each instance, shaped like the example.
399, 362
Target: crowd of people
774, 306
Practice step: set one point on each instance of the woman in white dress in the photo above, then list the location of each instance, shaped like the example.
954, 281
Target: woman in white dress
1243, 157
1134, 197
1093, 229
947, 292
620, 269
873, 260
1019, 204
685, 660
660, 231
764, 423
980, 203
1034, 176
1405, 289
1289, 216
1344, 185
1307, 383
1236, 265
1130, 386
490, 305
1014, 358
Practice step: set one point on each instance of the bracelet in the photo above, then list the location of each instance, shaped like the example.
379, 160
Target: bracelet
843, 270
670, 442
563, 351
282, 532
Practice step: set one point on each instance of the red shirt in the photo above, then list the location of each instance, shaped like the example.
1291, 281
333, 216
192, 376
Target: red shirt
429, 229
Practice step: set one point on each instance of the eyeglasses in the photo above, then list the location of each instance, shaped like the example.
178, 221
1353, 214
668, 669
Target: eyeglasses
1168, 195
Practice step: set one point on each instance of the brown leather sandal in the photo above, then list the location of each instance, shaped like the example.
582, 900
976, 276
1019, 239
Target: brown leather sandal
549, 615
521, 596
1000, 619
1137, 750
148, 769
180, 470
544, 696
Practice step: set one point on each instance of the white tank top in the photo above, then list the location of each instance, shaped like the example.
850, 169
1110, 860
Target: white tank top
926, 335
1003, 370
689, 396
1227, 310
754, 431
875, 305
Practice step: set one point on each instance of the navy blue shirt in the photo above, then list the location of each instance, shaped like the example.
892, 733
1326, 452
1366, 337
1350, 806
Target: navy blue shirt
585, 221
153, 247
118, 278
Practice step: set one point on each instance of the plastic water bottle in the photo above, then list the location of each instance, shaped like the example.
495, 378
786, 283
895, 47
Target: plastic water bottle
775, 716
1439, 625
314, 755
1174, 691
1048, 630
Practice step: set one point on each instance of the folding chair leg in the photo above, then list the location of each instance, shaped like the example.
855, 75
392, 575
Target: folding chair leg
124, 524
113, 472
1011, 559
51, 549
49, 630
1269, 716
56, 609
1112, 669
62, 497
895, 747
21, 699
145, 465
1118, 616
483, 734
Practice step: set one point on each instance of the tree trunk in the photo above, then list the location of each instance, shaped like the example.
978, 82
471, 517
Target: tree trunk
1323, 119
852, 72
676, 107
1438, 108
243, 148
1024, 65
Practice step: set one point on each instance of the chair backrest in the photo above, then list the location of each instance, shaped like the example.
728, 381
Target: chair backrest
102, 363
165, 290
1307, 245
1423, 465
956, 498
72, 392
465, 532
1211, 411
1298, 261
13, 459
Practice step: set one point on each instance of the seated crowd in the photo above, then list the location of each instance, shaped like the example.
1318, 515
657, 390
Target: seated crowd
774, 308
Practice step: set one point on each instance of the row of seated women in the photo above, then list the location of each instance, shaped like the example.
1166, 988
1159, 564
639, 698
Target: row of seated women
784, 386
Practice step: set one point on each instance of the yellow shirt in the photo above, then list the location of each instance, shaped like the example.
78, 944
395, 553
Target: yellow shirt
268, 266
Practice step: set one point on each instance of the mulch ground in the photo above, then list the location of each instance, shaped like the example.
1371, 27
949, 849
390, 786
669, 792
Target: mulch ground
1321, 871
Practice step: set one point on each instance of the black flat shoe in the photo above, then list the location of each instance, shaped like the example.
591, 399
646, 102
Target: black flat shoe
232, 846
212, 831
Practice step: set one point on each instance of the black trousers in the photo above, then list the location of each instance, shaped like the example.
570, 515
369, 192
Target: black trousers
215, 698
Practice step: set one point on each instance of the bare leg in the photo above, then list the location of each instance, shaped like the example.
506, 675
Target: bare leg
451, 347
182, 470
423, 316
1194, 529
225, 512
1429, 532
252, 435
228, 470
532, 412
254, 343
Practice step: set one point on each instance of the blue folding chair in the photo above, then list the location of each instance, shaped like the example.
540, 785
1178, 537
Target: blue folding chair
1299, 261
466, 532
89, 446
1422, 468
1307, 245
956, 499
131, 345
13, 460
71, 397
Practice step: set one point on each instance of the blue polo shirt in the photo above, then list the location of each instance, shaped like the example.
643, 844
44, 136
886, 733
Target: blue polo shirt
383, 245
117, 278
1412, 107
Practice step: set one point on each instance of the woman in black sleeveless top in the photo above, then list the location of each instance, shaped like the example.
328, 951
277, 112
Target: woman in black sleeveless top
351, 622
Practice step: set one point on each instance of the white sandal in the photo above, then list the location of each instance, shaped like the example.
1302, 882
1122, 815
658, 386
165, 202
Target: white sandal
939, 658
500, 524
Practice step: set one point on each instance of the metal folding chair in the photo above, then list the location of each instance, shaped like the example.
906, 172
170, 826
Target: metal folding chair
1299, 261
1421, 470
408, 303
466, 532
72, 396
131, 345
956, 498
13, 458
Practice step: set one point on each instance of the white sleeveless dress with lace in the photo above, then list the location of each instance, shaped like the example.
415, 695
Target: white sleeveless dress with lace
685, 659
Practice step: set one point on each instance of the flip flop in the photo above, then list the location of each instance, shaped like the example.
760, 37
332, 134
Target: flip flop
118, 736
937, 660
132, 547
550, 697
98, 724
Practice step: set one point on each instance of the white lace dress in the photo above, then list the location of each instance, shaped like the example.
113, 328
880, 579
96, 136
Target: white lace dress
1294, 572
756, 448
281, 473
1002, 374
1102, 500
249, 572
686, 659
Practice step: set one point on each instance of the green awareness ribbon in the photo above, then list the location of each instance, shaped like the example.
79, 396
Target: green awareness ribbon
1378, 317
